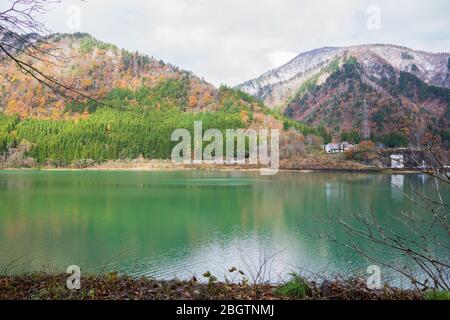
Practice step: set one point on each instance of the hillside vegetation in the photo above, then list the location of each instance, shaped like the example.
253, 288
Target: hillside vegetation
345, 100
373, 90
133, 119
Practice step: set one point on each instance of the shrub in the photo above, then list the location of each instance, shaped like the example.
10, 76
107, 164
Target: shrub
18, 157
292, 143
364, 152
83, 163
314, 140
394, 140
296, 288
352, 136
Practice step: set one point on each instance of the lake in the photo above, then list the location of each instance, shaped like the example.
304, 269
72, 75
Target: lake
180, 224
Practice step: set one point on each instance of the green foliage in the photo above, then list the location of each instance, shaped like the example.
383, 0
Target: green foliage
237, 100
323, 132
352, 136
445, 135
310, 84
297, 288
131, 123
406, 56
307, 86
3, 142
437, 295
236, 93
304, 129
114, 134
168, 93
410, 85
394, 140
333, 66
300, 127
7, 127
88, 43
79, 107
351, 61
8, 123
130, 59
173, 90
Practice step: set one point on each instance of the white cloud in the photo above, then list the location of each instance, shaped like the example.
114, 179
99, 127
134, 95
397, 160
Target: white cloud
230, 41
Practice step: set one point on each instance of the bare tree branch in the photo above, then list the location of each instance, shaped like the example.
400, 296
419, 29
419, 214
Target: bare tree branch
423, 244
22, 33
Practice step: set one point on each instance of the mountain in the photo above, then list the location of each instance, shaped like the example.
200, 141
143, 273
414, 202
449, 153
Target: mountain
92, 67
371, 88
138, 102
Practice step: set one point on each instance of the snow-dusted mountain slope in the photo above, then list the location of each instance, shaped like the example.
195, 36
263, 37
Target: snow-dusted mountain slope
277, 86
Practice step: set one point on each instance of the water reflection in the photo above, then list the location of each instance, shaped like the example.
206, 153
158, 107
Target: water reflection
334, 191
397, 183
422, 178
165, 224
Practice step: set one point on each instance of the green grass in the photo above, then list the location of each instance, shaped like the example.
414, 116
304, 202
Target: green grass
437, 295
296, 288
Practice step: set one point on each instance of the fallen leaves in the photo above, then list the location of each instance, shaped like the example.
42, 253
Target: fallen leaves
113, 286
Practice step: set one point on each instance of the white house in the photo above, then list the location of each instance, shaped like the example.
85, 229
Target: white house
338, 147
333, 148
397, 161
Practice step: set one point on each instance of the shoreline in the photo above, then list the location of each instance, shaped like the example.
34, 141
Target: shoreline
166, 165
221, 169
112, 286
303, 164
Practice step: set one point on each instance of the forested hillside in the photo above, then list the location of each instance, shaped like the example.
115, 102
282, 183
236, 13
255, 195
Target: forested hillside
401, 105
137, 102
93, 68
368, 91
129, 125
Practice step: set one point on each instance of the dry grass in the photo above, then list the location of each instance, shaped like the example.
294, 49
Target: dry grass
111, 286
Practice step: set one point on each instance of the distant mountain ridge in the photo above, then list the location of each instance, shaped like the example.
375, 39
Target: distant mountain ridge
274, 86
368, 88
371, 89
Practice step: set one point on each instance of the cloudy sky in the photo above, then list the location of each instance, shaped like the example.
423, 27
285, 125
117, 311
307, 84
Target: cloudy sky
230, 41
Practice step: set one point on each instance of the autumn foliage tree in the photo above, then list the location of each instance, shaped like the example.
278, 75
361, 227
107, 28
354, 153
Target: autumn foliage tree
22, 40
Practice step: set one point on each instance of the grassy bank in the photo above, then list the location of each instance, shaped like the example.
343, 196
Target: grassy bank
112, 286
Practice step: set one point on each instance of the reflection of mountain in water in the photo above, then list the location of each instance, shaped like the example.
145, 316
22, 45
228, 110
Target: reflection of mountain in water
178, 223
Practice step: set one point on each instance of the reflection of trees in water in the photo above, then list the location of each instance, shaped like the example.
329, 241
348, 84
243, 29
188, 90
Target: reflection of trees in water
94, 217
412, 243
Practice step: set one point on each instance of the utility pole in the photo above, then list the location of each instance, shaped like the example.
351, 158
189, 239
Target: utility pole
366, 124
